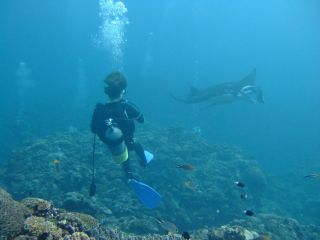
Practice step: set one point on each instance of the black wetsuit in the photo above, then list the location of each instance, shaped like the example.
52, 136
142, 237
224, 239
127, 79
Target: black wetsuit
123, 113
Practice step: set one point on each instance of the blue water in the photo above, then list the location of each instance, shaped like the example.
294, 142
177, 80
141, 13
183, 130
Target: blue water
169, 46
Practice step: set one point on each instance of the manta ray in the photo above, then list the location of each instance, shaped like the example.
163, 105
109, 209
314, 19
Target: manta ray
225, 92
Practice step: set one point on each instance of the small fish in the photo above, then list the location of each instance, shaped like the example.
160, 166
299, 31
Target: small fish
196, 130
264, 237
312, 175
29, 193
106, 211
185, 166
185, 235
239, 184
189, 184
248, 213
56, 163
104, 222
244, 196
72, 129
169, 227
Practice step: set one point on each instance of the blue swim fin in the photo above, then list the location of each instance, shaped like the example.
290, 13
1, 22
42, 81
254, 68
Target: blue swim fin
146, 194
149, 156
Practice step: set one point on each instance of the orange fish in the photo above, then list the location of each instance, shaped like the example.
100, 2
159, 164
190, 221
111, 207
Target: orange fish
56, 163
185, 166
264, 237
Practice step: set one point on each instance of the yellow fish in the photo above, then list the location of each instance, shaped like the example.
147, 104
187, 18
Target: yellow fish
56, 163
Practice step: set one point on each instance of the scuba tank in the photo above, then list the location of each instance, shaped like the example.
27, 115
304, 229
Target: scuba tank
115, 141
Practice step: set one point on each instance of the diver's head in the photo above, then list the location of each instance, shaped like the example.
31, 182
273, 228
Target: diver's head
116, 85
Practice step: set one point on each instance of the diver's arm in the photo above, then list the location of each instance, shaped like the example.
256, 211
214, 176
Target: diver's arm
133, 112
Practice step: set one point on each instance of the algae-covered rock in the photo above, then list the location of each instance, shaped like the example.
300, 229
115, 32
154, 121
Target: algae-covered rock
42, 228
139, 226
88, 222
60, 225
79, 222
37, 205
279, 228
232, 233
12, 215
74, 201
79, 236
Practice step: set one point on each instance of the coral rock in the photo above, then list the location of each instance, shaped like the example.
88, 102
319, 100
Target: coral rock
40, 227
12, 215
232, 233
37, 205
75, 201
79, 236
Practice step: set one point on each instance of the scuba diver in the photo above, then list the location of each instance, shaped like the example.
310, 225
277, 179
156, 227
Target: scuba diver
113, 122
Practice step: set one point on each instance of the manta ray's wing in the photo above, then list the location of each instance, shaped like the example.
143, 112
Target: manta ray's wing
191, 98
250, 79
183, 99
193, 91
222, 99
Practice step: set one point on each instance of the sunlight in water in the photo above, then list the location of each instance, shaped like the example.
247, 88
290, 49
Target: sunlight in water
24, 84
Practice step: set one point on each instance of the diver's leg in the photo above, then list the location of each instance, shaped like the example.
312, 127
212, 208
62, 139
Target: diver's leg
137, 147
140, 152
127, 170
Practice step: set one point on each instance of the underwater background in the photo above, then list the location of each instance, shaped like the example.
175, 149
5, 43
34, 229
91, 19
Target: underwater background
54, 56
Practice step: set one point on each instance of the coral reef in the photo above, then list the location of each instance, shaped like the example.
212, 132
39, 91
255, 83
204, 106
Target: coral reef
41, 228
35, 218
12, 215
265, 227
279, 228
232, 233
37, 206
74, 201
43, 221
58, 168
87, 222
305, 204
